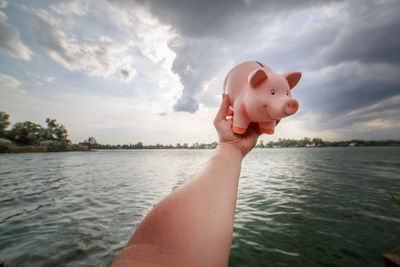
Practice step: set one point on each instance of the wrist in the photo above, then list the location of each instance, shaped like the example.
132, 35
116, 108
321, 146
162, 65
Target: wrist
230, 149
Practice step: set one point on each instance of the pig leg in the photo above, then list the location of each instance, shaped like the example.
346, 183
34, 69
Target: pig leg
267, 127
240, 122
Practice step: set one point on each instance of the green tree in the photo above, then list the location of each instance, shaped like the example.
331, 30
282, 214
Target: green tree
318, 141
55, 131
261, 144
139, 145
90, 142
26, 133
4, 123
305, 141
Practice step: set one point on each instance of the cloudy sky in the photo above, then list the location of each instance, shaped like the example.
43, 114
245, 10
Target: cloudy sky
126, 71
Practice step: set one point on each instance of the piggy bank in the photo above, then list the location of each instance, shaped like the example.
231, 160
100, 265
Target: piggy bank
257, 94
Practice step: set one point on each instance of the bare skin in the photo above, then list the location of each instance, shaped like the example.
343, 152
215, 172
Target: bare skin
193, 226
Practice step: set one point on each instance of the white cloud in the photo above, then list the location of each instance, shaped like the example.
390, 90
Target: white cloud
375, 129
133, 44
95, 57
75, 7
10, 40
7, 81
36, 78
9, 84
3, 4
53, 40
100, 57
368, 126
154, 38
390, 104
108, 53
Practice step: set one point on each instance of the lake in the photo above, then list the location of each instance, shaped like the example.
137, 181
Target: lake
296, 206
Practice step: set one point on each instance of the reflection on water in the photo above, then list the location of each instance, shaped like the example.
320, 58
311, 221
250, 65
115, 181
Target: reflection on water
317, 207
307, 207
81, 208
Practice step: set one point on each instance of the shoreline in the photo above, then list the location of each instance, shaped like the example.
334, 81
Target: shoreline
39, 149
30, 149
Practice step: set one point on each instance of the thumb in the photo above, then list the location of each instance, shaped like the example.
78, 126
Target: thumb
223, 109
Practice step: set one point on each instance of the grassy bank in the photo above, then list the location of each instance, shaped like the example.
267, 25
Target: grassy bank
34, 149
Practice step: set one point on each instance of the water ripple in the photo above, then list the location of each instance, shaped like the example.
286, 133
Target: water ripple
296, 207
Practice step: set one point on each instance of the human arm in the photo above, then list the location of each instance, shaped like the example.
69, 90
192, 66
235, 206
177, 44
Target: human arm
193, 225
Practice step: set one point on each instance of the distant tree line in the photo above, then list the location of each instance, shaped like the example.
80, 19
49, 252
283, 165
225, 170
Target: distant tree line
318, 142
92, 143
305, 142
52, 137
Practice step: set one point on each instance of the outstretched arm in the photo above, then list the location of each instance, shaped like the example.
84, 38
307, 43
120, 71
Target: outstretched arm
193, 226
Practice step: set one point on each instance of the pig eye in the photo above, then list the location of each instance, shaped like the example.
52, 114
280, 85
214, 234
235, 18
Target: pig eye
272, 92
287, 92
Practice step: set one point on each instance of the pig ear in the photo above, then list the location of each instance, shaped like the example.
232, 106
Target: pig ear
292, 78
256, 77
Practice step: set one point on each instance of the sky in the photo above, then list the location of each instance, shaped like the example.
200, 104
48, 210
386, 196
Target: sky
128, 71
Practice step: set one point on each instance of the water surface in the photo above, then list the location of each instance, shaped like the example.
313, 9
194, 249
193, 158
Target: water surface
296, 207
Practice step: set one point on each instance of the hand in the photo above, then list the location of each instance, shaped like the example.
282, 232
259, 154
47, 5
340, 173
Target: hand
243, 142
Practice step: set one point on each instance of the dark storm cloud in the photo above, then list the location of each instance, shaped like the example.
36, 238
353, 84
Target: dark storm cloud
126, 74
347, 50
369, 35
210, 18
360, 69
339, 90
208, 31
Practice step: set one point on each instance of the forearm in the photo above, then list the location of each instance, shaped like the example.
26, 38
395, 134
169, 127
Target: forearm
193, 225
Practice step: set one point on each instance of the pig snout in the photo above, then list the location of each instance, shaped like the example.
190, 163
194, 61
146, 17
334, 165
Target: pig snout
290, 107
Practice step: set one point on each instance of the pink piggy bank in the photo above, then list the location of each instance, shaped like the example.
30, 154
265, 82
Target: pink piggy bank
257, 94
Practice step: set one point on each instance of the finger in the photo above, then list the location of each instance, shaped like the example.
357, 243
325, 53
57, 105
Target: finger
255, 129
223, 109
230, 120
